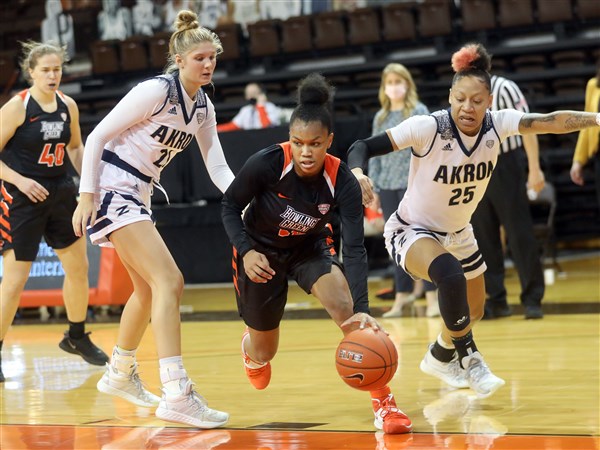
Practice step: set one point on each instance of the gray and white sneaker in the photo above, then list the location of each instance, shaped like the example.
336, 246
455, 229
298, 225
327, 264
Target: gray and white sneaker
127, 386
450, 373
190, 408
480, 377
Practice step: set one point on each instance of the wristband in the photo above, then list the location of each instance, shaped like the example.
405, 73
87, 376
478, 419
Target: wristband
598, 119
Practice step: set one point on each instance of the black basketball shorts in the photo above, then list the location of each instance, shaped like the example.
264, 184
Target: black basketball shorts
261, 305
23, 223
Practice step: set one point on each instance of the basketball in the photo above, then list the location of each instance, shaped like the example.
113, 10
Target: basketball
366, 359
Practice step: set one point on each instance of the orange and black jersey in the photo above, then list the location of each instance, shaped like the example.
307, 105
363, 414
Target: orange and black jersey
38, 147
287, 211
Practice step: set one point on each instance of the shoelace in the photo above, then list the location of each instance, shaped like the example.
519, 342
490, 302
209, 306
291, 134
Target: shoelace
195, 400
455, 370
477, 370
140, 386
388, 407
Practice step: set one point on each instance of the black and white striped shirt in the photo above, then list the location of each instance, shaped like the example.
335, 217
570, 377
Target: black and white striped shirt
507, 95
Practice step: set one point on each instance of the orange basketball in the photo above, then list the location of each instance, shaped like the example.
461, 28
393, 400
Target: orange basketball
366, 359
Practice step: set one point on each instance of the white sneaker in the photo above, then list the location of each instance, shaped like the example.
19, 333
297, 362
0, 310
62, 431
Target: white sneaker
190, 408
450, 373
127, 386
480, 377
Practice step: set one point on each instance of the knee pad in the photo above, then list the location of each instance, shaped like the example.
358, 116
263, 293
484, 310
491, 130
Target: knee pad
448, 275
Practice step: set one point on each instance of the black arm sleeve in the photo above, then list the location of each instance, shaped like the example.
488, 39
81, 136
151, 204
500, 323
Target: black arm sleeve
349, 200
363, 149
248, 183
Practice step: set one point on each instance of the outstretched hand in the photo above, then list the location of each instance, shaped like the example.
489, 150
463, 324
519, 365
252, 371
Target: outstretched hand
361, 321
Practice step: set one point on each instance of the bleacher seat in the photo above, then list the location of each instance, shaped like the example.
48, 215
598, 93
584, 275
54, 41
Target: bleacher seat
263, 38
568, 58
557, 11
296, 34
330, 30
230, 35
158, 50
398, 22
529, 63
8, 67
105, 57
363, 26
435, 18
515, 13
133, 53
477, 15
587, 9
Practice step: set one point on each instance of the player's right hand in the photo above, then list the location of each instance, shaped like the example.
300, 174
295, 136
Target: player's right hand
256, 266
32, 189
84, 214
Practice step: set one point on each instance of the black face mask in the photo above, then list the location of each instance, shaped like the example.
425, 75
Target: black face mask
252, 101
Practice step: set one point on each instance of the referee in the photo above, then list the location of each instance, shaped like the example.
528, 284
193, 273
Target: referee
506, 203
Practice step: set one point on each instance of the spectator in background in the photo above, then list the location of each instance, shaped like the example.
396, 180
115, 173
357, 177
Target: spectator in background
114, 21
211, 12
399, 100
146, 18
281, 9
505, 203
244, 12
260, 113
58, 27
588, 140
348, 5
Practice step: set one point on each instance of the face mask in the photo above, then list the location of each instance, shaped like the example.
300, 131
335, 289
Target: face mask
395, 91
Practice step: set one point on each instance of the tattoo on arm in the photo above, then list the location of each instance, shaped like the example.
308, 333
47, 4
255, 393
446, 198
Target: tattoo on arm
558, 121
577, 121
531, 119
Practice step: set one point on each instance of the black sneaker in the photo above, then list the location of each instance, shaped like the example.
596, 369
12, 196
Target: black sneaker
533, 312
1, 374
496, 311
85, 348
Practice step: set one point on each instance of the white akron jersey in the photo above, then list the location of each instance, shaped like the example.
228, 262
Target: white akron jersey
448, 177
450, 173
132, 161
150, 145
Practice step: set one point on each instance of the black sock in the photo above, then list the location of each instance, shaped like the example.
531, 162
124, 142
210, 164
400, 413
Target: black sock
465, 346
76, 329
442, 354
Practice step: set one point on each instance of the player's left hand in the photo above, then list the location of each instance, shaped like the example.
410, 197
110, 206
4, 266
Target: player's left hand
361, 321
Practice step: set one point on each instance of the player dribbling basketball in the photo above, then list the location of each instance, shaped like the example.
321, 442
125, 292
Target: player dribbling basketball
292, 189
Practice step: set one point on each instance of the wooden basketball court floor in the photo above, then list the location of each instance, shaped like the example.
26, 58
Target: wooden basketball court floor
551, 399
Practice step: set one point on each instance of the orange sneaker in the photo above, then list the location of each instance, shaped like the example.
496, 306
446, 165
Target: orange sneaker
388, 417
259, 377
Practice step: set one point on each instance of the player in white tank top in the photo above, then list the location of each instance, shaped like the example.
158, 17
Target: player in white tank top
454, 153
123, 158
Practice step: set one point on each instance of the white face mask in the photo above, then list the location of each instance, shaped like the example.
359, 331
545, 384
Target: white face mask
395, 91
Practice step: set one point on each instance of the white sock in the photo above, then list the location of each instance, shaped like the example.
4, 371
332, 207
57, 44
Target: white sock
172, 374
443, 343
123, 360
